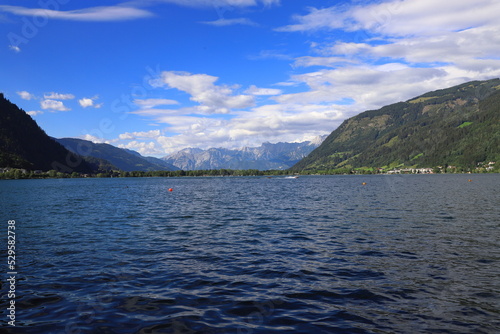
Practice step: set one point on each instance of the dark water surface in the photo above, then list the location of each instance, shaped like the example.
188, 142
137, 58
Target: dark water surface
401, 254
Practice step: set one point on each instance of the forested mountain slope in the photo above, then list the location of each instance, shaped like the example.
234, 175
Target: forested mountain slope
455, 126
23, 144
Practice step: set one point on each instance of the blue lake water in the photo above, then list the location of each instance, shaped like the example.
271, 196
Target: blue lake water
317, 254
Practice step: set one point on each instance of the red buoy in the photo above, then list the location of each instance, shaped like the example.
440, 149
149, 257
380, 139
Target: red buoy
170, 189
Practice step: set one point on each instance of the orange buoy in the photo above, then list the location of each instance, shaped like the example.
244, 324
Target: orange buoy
364, 183
170, 189
470, 180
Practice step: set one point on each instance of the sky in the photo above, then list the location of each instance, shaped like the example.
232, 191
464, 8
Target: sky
158, 76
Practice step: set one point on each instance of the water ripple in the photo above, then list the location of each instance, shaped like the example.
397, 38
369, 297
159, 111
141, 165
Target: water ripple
406, 254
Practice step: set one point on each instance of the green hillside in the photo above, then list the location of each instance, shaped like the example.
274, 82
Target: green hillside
23, 144
457, 126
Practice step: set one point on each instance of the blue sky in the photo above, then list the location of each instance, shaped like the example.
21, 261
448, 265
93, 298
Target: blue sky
158, 76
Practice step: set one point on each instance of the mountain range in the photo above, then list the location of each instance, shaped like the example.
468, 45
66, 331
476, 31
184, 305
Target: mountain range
265, 157
457, 126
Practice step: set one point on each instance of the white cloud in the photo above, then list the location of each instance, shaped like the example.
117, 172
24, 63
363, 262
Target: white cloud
34, 112
330, 18
89, 102
475, 43
53, 105
400, 17
284, 122
15, 48
472, 44
276, 122
25, 95
139, 135
425, 17
370, 87
101, 13
202, 88
229, 22
95, 139
333, 95
307, 61
254, 90
344, 48
144, 148
151, 103
86, 102
58, 96
402, 49
162, 112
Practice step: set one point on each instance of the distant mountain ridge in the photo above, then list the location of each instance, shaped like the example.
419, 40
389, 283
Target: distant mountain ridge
265, 157
123, 159
454, 126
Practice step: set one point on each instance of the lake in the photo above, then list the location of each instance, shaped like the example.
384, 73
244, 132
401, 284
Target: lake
316, 254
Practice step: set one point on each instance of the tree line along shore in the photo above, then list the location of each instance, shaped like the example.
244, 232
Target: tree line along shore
16, 173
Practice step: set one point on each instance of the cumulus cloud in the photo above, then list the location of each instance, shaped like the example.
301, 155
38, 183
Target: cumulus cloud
202, 88
254, 90
53, 105
329, 18
475, 43
162, 112
369, 87
58, 96
86, 102
273, 122
25, 95
89, 102
373, 86
417, 33
144, 148
410, 31
34, 112
139, 135
95, 139
101, 13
